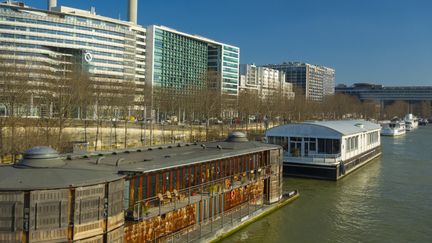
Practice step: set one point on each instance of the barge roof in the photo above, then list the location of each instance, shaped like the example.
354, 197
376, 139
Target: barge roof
324, 129
101, 167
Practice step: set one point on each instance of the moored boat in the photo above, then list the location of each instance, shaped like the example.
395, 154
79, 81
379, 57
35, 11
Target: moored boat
326, 149
165, 193
411, 122
395, 127
423, 122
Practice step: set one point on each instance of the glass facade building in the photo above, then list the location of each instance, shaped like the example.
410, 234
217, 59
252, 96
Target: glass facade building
179, 62
230, 69
182, 61
109, 50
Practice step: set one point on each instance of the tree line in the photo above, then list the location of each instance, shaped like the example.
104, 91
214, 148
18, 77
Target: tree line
39, 100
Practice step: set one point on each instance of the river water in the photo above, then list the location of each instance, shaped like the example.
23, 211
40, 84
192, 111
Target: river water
387, 200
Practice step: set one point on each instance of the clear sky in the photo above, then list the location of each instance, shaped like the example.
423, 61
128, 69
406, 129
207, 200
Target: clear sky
380, 41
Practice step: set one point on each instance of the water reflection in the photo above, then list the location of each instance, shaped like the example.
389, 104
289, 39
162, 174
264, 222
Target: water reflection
388, 200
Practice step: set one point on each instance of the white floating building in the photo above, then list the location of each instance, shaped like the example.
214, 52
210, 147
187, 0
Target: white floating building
326, 149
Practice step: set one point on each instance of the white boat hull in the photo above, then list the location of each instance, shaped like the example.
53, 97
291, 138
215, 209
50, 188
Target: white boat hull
392, 132
394, 128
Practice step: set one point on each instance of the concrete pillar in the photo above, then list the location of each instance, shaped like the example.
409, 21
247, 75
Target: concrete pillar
52, 4
133, 10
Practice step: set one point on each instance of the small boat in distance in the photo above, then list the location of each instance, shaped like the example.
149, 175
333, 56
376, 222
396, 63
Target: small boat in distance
411, 122
395, 127
423, 122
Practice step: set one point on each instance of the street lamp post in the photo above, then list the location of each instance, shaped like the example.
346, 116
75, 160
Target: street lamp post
114, 123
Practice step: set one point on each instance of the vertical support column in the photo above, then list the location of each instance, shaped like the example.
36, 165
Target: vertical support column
71, 214
382, 106
131, 192
148, 185
302, 147
140, 189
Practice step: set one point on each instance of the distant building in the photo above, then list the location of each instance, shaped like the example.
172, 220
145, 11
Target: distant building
248, 77
264, 81
315, 81
50, 40
182, 61
387, 95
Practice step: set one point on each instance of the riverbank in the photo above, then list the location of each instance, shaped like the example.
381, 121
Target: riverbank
106, 136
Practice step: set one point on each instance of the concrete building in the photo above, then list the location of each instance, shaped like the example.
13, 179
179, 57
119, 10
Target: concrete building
314, 81
272, 81
249, 78
264, 81
182, 61
387, 95
109, 50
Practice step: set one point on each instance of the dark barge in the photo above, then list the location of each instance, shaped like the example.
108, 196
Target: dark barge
175, 193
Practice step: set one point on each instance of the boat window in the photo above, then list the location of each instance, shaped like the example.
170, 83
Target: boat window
126, 194
174, 179
281, 141
144, 187
295, 146
136, 189
312, 145
152, 185
328, 146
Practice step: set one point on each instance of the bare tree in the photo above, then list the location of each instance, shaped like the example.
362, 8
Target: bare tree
248, 101
208, 99
15, 99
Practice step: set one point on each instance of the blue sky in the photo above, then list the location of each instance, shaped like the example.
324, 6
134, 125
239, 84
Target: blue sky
381, 41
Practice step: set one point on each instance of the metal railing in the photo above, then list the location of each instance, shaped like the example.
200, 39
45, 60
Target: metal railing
155, 206
211, 225
314, 158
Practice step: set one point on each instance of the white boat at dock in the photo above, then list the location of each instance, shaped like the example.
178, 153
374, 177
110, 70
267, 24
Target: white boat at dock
395, 127
326, 149
411, 122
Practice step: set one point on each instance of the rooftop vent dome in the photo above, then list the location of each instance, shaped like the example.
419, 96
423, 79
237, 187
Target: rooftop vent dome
360, 125
41, 157
237, 137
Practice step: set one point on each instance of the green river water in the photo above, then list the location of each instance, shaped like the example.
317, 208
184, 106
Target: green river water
387, 200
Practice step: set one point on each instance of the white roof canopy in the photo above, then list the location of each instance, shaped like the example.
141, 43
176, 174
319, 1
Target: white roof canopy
323, 129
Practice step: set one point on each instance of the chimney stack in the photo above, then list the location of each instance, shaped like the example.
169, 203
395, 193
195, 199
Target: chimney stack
133, 10
52, 4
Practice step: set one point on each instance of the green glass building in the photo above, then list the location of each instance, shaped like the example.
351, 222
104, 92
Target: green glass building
182, 61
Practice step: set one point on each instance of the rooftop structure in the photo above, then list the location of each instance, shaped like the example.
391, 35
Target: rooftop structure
326, 149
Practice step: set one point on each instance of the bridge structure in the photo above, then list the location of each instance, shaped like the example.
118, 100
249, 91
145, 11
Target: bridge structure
386, 95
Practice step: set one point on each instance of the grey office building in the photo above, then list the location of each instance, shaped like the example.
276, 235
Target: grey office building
387, 95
